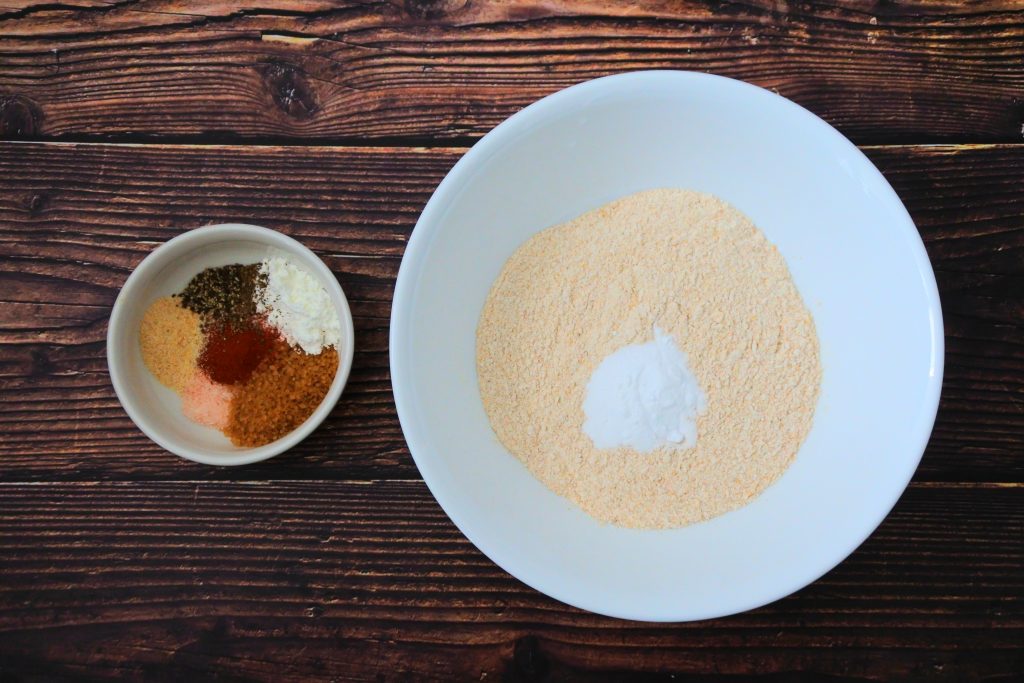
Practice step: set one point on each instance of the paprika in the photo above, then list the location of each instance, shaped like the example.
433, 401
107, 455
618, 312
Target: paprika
233, 352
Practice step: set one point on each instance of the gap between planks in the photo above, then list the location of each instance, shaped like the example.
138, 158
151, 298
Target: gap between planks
381, 146
373, 482
385, 146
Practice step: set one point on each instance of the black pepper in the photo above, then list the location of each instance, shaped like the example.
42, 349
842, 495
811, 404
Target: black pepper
225, 294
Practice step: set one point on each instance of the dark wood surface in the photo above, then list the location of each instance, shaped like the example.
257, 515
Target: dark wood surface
333, 122
267, 580
451, 69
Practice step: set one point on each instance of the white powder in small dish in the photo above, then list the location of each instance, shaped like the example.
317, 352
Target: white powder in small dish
297, 305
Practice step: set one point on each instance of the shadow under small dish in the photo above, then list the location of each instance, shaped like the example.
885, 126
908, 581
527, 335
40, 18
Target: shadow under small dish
251, 349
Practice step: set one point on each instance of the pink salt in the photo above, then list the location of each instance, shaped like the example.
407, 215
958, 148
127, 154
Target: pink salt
206, 402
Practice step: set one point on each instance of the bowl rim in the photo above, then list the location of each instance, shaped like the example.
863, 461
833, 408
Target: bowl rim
153, 263
418, 247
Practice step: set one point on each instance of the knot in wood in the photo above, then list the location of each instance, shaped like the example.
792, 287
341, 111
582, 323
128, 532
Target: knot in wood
433, 9
42, 366
20, 117
290, 89
528, 661
36, 202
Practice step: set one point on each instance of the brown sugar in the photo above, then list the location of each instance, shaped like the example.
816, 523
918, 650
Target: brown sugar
283, 391
170, 339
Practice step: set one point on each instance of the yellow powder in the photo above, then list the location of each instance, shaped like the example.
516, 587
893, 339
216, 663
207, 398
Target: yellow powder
171, 340
701, 271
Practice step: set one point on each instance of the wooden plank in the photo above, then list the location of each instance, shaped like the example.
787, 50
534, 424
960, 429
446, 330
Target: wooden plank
451, 70
74, 220
289, 581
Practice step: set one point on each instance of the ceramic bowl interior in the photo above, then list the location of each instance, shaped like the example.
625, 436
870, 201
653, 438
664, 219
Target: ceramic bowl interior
854, 254
155, 408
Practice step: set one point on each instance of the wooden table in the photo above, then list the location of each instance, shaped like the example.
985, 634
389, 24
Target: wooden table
125, 123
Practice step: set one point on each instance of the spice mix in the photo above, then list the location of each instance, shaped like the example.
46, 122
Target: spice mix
236, 357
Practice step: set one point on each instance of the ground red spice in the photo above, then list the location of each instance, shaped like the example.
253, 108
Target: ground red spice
232, 353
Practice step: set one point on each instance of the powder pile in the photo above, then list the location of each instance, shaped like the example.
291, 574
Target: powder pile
251, 349
280, 396
206, 402
223, 294
694, 267
233, 352
170, 340
297, 305
644, 396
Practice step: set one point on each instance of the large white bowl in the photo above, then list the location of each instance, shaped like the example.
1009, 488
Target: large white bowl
855, 256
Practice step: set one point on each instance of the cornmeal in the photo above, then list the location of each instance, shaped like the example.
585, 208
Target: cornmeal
698, 269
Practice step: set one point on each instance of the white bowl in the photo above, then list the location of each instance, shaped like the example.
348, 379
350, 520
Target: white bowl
154, 408
854, 254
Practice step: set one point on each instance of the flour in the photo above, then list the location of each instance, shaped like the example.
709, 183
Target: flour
297, 305
576, 294
644, 396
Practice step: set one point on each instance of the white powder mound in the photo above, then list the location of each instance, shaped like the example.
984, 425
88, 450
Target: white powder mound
298, 306
644, 396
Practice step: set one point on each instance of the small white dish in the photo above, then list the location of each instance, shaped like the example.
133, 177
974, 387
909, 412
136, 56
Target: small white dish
154, 408
855, 256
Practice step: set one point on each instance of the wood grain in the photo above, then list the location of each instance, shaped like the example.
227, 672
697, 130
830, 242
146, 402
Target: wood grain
352, 581
436, 70
120, 561
75, 219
